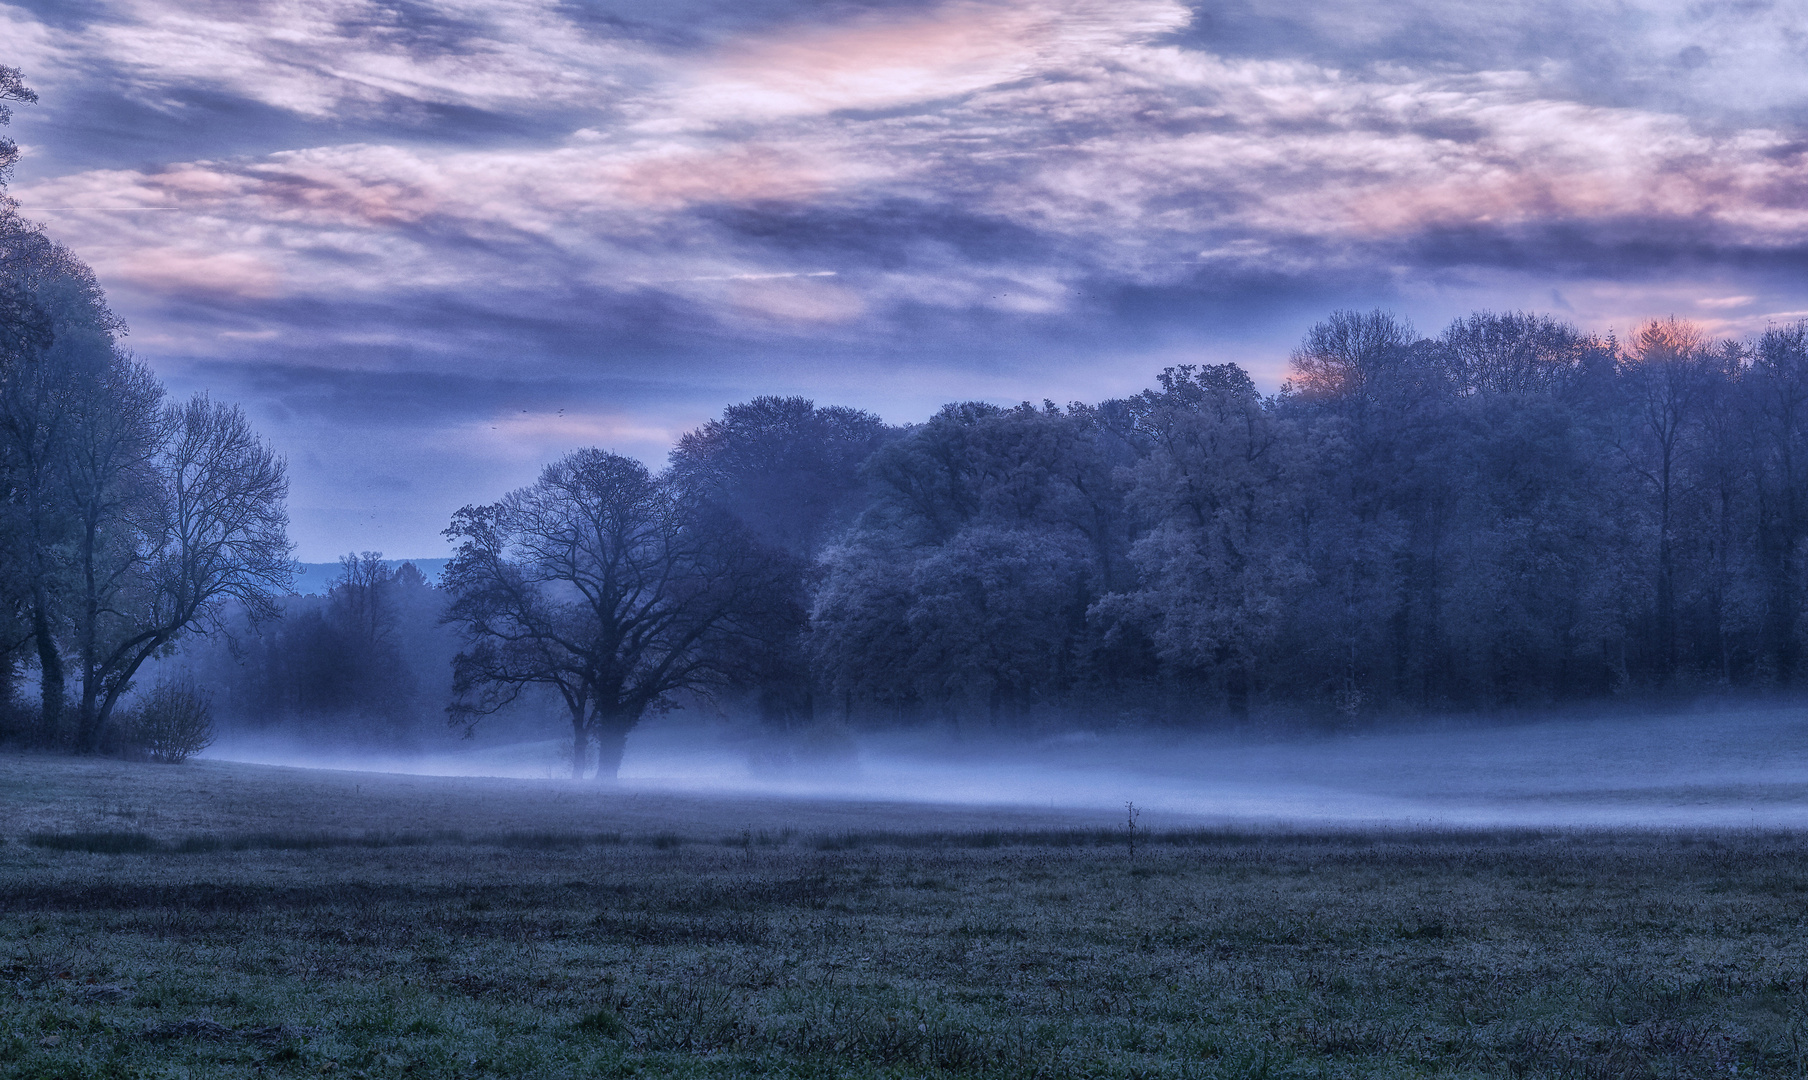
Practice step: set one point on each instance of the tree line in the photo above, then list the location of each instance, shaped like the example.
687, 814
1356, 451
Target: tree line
126, 520
1510, 513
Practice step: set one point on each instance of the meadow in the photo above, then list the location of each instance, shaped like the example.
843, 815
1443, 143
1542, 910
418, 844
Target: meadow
218, 919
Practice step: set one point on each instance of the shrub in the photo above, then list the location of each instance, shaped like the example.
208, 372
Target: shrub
174, 721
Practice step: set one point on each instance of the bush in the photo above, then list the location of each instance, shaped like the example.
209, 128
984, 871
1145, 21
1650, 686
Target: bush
173, 722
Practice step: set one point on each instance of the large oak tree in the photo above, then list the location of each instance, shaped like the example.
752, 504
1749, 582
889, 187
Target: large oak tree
604, 584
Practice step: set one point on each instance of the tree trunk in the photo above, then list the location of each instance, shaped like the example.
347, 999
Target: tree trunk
87, 723
1666, 611
98, 703
580, 749
611, 744
1236, 690
51, 685
88, 717
9, 681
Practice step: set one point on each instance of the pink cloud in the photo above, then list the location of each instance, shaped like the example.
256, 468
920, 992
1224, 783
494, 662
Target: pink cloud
797, 300
887, 60
168, 270
738, 174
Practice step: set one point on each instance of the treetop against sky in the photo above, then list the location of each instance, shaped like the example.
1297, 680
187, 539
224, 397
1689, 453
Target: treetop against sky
435, 245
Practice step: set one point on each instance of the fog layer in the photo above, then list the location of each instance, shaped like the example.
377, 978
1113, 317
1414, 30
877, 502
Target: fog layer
1741, 768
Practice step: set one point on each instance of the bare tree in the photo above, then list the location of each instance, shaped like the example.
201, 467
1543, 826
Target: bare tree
111, 480
216, 531
1514, 352
1667, 379
1354, 356
359, 597
601, 583
123, 523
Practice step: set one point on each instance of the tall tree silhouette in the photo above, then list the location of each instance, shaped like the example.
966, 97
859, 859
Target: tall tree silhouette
605, 585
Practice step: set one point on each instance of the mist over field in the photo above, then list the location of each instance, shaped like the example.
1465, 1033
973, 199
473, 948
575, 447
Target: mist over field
1712, 767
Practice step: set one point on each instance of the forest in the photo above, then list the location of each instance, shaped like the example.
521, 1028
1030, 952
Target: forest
1509, 514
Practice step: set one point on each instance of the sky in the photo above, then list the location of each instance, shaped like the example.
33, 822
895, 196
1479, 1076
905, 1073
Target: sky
431, 246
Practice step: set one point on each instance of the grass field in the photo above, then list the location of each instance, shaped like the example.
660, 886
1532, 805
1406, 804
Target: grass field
228, 920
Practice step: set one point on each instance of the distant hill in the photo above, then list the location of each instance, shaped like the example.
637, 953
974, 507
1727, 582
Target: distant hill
312, 578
